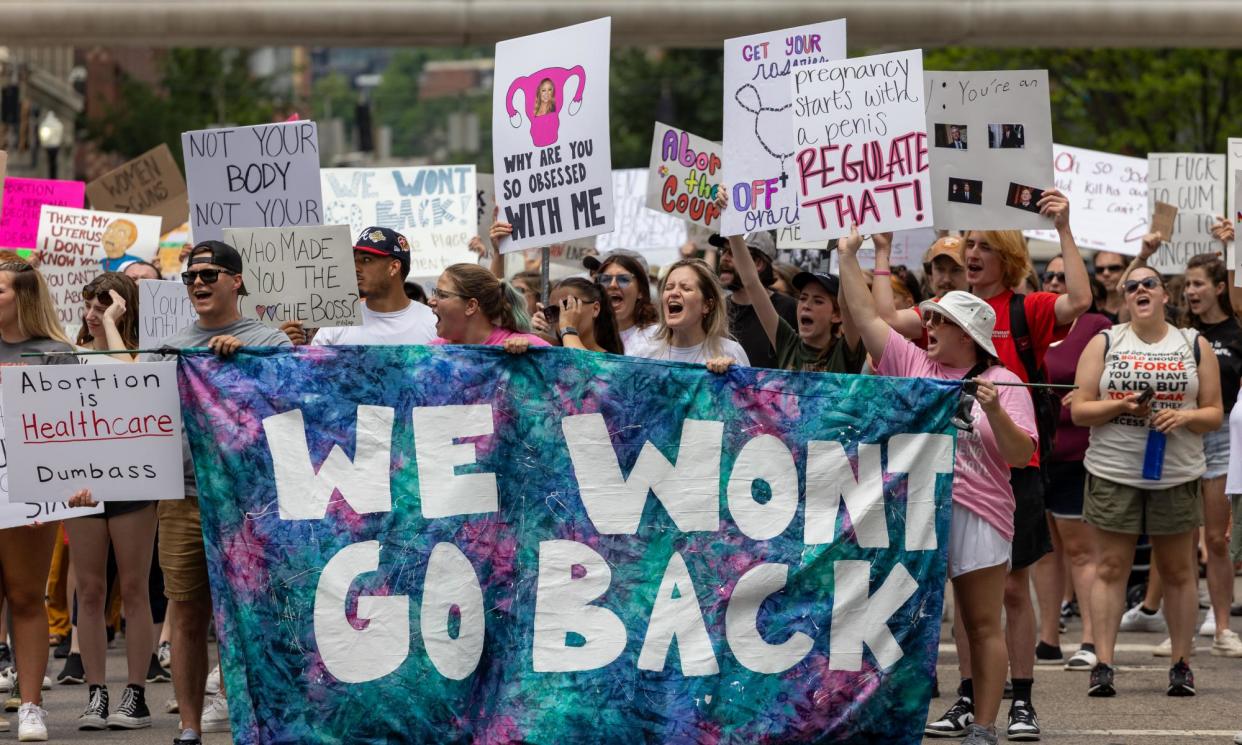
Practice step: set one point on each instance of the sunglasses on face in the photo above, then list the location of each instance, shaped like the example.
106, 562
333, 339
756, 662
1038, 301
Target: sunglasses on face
439, 294
1110, 268
1148, 283
934, 320
208, 276
1054, 277
620, 280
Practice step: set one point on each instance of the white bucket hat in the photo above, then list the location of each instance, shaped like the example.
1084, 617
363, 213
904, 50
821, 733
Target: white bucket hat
970, 313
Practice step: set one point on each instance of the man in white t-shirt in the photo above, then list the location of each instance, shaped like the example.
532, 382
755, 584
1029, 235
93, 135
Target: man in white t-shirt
381, 263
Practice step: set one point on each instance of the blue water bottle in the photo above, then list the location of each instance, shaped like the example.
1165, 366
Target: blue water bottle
1153, 459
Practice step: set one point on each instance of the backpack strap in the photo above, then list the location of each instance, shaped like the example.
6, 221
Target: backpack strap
1021, 335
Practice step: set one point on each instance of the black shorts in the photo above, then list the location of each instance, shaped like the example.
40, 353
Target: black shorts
1067, 482
116, 509
1031, 537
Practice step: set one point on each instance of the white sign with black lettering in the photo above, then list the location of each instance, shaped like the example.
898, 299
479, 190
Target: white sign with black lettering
1195, 184
1108, 199
164, 309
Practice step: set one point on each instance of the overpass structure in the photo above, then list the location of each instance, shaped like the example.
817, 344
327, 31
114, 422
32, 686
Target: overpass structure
903, 24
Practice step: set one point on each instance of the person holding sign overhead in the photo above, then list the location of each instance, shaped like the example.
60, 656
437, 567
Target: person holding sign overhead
28, 323
381, 264
214, 282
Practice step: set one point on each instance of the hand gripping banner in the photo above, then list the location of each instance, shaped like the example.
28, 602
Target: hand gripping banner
421, 544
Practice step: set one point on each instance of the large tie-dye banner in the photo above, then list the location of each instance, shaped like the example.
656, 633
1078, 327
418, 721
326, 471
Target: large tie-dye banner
420, 544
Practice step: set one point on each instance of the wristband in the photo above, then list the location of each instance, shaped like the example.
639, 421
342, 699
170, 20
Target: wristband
569, 330
881, 273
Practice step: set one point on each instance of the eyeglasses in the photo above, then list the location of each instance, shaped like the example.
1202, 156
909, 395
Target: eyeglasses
1054, 277
1148, 283
208, 276
1110, 268
620, 280
934, 320
438, 294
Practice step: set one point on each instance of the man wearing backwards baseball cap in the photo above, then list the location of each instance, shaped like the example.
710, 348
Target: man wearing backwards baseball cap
389, 316
214, 282
1002, 436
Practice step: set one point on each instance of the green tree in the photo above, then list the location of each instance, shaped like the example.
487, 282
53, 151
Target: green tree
682, 87
332, 98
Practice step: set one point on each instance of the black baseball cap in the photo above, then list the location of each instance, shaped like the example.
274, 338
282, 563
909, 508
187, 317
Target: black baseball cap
829, 282
219, 253
385, 242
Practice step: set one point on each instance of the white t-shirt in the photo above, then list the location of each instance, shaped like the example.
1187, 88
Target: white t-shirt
415, 324
637, 338
658, 350
1233, 480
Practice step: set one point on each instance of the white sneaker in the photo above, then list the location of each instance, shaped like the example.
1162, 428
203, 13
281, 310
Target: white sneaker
1227, 644
165, 655
216, 714
47, 683
4, 725
6, 679
213, 681
1136, 620
1082, 660
1208, 628
1165, 649
1237, 739
31, 726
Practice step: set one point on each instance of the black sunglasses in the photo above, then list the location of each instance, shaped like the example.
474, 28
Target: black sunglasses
622, 280
1131, 285
1113, 268
1054, 276
208, 276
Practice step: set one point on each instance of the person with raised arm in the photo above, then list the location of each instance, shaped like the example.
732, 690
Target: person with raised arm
947, 261
1001, 436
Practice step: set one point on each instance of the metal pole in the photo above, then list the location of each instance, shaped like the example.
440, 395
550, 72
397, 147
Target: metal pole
545, 262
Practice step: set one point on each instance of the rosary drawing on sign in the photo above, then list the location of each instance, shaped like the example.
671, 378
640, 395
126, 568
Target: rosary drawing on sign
773, 124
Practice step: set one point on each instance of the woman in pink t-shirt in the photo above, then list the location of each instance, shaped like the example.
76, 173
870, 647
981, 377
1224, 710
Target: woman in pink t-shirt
472, 307
959, 345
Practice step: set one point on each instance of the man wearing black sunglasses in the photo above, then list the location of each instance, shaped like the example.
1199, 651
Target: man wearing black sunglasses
1109, 267
213, 279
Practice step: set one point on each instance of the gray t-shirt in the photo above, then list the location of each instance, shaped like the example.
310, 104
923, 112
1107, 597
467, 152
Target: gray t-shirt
11, 354
249, 331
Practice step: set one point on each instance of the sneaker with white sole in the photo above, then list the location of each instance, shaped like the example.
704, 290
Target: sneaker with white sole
31, 723
1023, 725
1165, 649
95, 717
133, 712
1208, 628
213, 681
4, 725
216, 714
977, 734
1082, 661
1227, 644
954, 721
1136, 620
7, 676
165, 654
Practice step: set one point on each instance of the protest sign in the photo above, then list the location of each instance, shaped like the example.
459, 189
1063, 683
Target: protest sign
113, 429
861, 145
1163, 218
654, 234
172, 244
164, 309
1195, 184
298, 274
22, 200
116, 238
989, 130
758, 121
1108, 199
555, 599
1233, 253
685, 176
485, 202
252, 177
1233, 165
552, 157
150, 184
434, 207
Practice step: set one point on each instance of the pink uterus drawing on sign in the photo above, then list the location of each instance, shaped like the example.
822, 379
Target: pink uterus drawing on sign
544, 91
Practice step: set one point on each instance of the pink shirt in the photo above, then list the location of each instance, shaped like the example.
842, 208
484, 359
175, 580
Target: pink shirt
498, 338
980, 473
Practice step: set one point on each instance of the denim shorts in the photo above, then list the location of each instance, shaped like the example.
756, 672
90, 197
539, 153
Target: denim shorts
1216, 452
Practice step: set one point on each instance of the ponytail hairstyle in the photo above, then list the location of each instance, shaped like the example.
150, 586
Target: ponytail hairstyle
1216, 273
36, 315
517, 300
499, 305
716, 323
606, 334
127, 288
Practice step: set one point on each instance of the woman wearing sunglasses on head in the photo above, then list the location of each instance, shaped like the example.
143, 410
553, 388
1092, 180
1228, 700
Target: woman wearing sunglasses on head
1002, 436
1148, 391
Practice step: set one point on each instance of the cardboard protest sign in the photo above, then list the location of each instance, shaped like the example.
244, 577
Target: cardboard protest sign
685, 176
758, 121
552, 157
22, 200
442, 508
164, 309
252, 177
298, 274
434, 207
113, 429
1195, 184
1108, 199
656, 235
150, 184
989, 130
861, 156
1163, 218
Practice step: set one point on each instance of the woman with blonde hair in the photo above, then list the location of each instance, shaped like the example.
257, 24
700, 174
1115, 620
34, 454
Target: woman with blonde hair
28, 323
694, 324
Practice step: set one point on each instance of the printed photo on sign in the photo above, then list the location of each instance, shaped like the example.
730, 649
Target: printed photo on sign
758, 122
298, 274
434, 207
150, 184
1109, 197
685, 176
252, 177
113, 429
1024, 197
22, 200
551, 153
1009, 118
1195, 184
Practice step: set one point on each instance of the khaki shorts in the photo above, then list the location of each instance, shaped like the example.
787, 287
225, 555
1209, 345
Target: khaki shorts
1128, 509
183, 558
